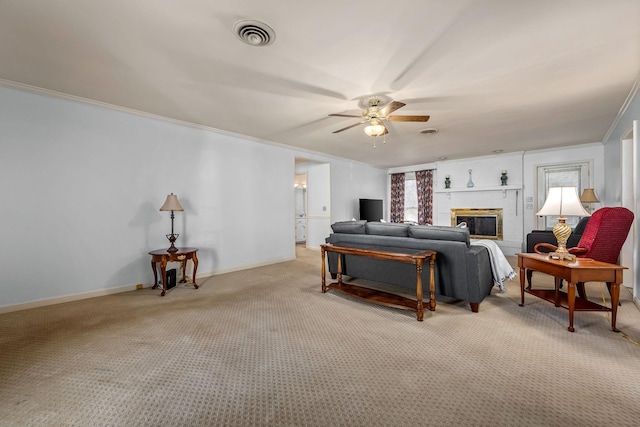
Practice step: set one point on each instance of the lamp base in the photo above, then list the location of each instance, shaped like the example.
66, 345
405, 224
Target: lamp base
172, 238
562, 232
562, 256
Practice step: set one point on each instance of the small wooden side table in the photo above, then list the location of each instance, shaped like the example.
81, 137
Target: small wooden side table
163, 257
573, 271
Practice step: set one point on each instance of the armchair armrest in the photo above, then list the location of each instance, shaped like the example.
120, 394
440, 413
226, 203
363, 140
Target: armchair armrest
548, 246
578, 251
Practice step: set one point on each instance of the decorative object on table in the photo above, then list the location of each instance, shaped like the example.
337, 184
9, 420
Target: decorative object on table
589, 197
470, 182
503, 177
172, 204
447, 181
562, 202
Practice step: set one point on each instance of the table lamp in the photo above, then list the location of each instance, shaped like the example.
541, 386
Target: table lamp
589, 197
562, 202
172, 204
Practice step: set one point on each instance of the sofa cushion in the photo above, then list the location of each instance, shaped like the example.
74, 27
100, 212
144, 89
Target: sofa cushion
387, 229
434, 232
349, 227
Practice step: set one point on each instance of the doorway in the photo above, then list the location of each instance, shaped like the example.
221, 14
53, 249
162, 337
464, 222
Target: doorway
300, 189
318, 198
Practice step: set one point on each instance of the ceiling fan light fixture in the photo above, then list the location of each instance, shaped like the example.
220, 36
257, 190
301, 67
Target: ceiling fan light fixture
375, 128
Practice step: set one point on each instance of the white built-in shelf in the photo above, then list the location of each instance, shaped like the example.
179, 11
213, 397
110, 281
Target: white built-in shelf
503, 188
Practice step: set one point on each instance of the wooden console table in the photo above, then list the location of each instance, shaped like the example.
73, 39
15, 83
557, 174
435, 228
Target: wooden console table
572, 271
380, 297
163, 257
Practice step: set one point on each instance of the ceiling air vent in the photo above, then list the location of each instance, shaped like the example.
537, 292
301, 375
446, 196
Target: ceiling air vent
429, 131
255, 33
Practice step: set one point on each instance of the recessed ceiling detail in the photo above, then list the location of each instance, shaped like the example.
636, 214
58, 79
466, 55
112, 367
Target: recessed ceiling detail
254, 33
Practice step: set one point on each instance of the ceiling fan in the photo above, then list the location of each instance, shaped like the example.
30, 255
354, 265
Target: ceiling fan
376, 109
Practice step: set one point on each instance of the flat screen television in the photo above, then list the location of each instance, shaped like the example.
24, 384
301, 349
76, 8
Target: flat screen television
371, 209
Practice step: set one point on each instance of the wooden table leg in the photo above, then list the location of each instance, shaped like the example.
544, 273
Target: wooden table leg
419, 306
557, 282
615, 299
522, 273
571, 297
432, 284
195, 269
155, 274
324, 283
163, 271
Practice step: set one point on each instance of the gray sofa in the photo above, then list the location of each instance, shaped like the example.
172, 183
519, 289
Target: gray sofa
462, 272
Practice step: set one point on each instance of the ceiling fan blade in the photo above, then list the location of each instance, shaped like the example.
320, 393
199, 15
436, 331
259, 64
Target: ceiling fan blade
408, 118
349, 127
344, 115
390, 108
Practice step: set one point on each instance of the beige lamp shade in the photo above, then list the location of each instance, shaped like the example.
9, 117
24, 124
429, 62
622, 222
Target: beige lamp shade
563, 202
589, 196
171, 204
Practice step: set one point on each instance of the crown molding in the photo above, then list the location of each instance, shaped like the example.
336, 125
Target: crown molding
623, 109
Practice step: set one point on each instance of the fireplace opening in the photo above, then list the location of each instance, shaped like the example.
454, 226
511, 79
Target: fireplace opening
482, 223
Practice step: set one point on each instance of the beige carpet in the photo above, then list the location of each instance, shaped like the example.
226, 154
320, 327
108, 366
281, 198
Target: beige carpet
265, 347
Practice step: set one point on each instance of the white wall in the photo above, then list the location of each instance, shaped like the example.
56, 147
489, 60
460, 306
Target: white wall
82, 185
351, 182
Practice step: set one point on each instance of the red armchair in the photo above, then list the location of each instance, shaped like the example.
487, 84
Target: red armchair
601, 240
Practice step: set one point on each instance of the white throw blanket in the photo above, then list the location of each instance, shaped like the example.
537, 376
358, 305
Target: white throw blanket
500, 267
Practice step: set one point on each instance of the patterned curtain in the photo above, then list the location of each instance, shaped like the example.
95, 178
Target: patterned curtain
397, 197
424, 185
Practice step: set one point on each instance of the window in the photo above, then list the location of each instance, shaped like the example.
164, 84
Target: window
410, 198
566, 175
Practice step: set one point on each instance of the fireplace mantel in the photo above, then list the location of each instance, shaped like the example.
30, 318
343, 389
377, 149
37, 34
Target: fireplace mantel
495, 188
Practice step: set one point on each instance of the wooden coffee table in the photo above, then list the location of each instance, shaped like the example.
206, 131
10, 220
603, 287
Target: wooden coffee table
572, 271
380, 297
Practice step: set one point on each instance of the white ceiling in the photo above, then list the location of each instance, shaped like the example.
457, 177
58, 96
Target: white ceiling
506, 75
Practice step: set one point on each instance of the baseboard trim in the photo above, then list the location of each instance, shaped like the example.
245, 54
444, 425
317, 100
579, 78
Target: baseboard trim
243, 267
126, 288
67, 298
